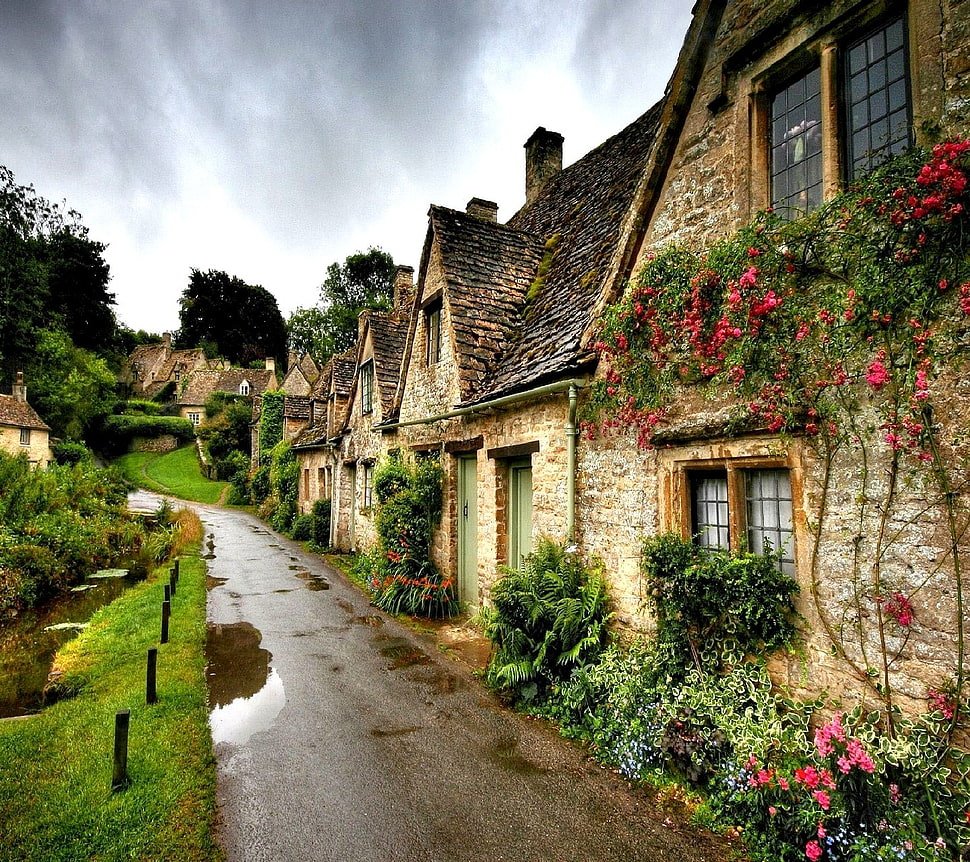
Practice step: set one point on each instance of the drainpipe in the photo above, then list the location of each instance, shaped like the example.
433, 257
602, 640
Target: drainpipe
572, 434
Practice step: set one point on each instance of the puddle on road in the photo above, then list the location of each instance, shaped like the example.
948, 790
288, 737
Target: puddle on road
404, 654
506, 753
313, 582
372, 620
211, 582
245, 691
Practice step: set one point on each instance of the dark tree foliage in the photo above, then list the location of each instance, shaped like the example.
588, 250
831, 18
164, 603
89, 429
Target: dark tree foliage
242, 319
52, 276
364, 280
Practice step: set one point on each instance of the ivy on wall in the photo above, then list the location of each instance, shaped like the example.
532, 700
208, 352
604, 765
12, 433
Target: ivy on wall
859, 309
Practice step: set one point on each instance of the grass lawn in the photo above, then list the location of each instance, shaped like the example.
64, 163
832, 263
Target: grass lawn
176, 473
55, 768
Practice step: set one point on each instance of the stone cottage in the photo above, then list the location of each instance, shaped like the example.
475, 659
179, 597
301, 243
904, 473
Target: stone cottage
22, 431
770, 105
199, 386
151, 368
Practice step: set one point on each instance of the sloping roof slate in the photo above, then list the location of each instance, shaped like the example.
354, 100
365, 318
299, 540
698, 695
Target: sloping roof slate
388, 334
580, 212
344, 366
202, 384
296, 407
308, 438
20, 414
489, 268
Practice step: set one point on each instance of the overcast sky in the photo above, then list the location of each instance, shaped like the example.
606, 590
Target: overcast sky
270, 138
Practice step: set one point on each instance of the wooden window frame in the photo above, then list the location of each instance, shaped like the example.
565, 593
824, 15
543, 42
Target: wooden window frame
24, 436
735, 467
367, 486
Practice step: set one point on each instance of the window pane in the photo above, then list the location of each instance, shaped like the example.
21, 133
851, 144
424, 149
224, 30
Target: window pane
796, 124
877, 82
769, 510
710, 507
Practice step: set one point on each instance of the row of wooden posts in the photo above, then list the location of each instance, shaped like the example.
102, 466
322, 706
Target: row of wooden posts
119, 775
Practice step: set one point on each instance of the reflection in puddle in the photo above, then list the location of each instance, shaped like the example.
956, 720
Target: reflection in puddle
211, 582
246, 694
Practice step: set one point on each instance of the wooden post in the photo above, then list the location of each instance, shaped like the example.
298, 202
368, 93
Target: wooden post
119, 774
166, 613
172, 582
176, 569
151, 692
168, 593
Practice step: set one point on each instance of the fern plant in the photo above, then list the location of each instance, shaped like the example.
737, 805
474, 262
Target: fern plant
546, 619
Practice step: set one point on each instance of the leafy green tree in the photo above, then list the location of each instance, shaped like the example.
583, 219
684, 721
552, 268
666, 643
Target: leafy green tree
52, 276
242, 319
305, 332
364, 280
70, 388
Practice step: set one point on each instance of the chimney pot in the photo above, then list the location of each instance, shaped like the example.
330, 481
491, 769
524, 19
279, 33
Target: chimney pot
270, 364
19, 390
483, 209
543, 160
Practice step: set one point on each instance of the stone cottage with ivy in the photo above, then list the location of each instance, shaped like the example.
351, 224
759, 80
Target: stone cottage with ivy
690, 374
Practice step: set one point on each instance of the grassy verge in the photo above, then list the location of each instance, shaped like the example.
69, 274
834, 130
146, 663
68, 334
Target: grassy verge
55, 768
176, 473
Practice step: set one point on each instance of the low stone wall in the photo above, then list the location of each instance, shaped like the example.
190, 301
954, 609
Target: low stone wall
161, 444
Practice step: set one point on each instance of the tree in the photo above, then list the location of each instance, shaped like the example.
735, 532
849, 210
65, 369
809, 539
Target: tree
69, 387
242, 319
52, 275
364, 280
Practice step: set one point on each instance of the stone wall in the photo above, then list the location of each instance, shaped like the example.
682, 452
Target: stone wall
161, 444
38, 451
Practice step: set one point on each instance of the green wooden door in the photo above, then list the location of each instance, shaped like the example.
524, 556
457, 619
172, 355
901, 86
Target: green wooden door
520, 512
468, 531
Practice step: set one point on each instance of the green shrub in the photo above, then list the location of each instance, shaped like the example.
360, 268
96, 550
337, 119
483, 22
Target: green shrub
118, 431
270, 421
284, 473
233, 463
137, 407
68, 452
320, 533
303, 528
546, 619
260, 484
714, 607
403, 577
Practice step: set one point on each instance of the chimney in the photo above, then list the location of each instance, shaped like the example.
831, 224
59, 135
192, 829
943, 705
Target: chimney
485, 210
404, 287
543, 159
167, 342
270, 364
19, 390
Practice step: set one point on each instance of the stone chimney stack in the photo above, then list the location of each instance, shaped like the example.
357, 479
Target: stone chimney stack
270, 364
404, 287
19, 390
167, 342
543, 160
485, 210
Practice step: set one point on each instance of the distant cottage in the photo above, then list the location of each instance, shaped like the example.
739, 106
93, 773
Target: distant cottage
22, 431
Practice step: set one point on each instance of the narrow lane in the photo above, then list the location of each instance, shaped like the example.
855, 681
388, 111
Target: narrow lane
355, 739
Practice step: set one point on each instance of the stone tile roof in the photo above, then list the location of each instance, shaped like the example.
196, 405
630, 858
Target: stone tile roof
488, 268
309, 438
344, 365
310, 369
580, 214
202, 384
388, 334
20, 414
296, 407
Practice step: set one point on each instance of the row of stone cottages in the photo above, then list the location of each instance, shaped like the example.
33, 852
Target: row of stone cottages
484, 359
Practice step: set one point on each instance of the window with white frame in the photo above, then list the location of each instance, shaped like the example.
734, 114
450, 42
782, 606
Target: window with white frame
195, 418
244, 387
750, 507
24, 436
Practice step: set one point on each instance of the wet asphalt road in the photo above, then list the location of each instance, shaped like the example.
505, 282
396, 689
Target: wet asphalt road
354, 738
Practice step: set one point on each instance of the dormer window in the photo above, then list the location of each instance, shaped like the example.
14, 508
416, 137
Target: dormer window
367, 387
432, 327
244, 388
